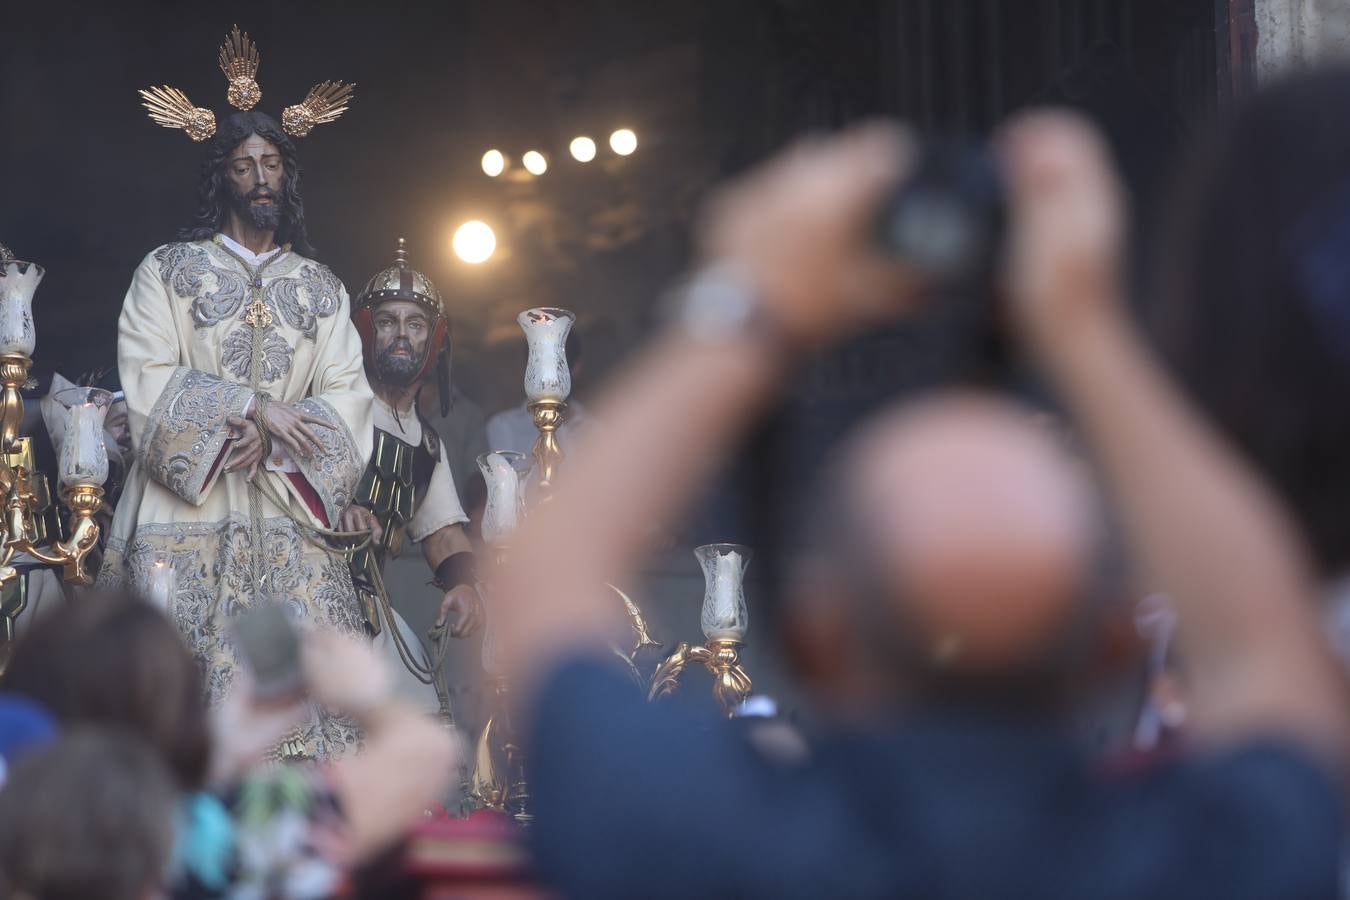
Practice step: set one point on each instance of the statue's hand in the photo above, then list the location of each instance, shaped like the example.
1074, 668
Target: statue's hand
248, 447
461, 608
358, 518
292, 428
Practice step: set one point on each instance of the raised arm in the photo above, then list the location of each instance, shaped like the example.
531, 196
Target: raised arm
1203, 526
790, 242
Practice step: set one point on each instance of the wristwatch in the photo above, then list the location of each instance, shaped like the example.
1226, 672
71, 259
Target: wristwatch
719, 304
715, 304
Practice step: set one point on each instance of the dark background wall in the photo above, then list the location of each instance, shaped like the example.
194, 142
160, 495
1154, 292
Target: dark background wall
90, 185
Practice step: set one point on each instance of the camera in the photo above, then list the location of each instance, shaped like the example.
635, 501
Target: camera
947, 219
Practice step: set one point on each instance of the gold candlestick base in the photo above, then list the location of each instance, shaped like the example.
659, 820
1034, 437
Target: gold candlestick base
731, 683
501, 789
548, 454
488, 787
13, 377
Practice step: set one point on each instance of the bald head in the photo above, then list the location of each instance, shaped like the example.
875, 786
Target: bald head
977, 524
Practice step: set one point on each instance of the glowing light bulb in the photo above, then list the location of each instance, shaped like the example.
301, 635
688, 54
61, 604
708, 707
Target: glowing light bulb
494, 163
583, 149
474, 242
535, 163
623, 141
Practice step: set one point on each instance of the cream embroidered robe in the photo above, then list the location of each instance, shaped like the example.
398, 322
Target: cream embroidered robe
189, 360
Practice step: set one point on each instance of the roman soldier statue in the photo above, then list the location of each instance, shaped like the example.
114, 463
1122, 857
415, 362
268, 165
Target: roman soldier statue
407, 493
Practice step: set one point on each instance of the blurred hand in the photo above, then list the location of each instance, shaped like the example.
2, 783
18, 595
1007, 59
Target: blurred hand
291, 428
461, 608
1066, 226
248, 447
358, 518
343, 673
801, 226
244, 731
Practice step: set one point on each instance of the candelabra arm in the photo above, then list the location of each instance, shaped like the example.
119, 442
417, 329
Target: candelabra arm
667, 675
731, 683
84, 501
641, 632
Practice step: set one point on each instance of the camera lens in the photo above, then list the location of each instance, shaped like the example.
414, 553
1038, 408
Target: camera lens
946, 219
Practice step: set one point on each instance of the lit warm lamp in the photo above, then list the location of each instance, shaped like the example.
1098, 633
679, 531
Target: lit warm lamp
548, 383
474, 242
163, 581
724, 620
582, 149
84, 466
494, 163
623, 141
535, 163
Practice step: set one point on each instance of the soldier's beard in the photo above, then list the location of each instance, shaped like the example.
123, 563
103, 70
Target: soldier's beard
399, 371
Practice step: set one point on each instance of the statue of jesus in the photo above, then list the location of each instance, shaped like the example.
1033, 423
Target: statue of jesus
249, 411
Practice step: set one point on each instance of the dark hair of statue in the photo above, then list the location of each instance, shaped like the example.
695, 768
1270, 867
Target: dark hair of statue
214, 192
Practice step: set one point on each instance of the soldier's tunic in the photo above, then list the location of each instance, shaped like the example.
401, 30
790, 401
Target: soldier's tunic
203, 329
409, 487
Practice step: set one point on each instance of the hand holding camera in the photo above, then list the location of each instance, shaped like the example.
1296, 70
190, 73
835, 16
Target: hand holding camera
798, 231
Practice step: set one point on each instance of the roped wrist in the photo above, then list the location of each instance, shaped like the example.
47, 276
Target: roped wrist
259, 416
456, 569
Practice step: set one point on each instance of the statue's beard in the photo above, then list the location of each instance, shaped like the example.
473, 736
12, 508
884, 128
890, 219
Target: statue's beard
399, 371
262, 216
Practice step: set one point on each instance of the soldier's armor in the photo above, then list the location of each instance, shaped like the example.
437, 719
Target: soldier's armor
393, 487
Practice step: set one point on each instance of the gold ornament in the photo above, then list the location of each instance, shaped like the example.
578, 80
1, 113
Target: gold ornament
170, 108
239, 60
325, 102
239, 63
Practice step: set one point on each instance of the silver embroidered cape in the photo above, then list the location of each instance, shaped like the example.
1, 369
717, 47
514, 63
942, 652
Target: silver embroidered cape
187, 354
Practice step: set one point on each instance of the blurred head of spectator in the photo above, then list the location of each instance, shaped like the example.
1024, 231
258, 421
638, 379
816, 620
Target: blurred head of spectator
954, 565
89, 816
1254, 310
24, 725
114, 660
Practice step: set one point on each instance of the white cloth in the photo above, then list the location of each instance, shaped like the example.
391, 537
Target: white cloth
441, 506
513, 429
249, 256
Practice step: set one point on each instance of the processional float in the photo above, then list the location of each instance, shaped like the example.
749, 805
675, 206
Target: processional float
498, 778
29, 539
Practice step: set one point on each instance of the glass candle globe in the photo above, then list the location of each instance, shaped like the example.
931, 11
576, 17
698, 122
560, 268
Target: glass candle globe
502, 471
724, 617
546, 374
18, 282
84, 456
